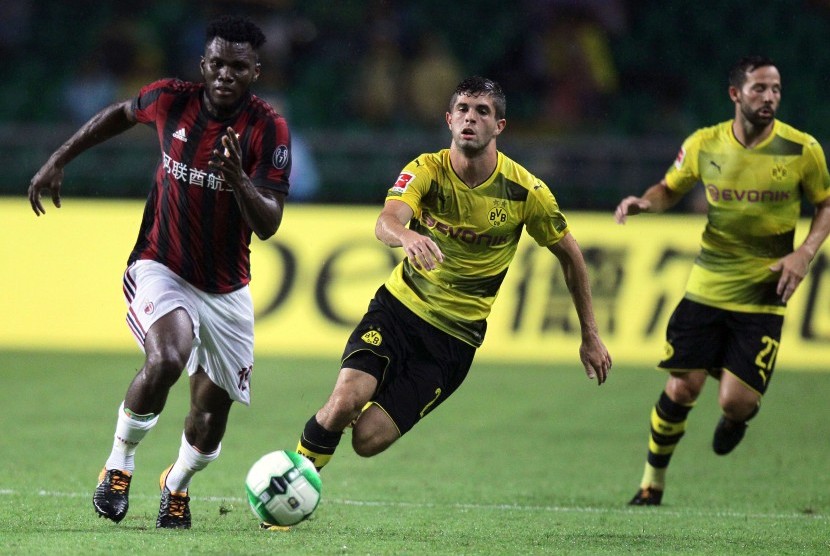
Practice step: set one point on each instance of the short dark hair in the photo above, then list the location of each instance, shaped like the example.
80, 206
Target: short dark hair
475, 86
747, 64
235, 29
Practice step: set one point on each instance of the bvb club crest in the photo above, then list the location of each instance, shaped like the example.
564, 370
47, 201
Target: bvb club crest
498, 213
372, 337
779, 172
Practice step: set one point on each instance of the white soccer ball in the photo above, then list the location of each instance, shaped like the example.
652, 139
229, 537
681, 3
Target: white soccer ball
283, 488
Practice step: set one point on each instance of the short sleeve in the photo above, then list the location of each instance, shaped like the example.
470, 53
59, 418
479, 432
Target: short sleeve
411, 185
684, 173
543, 220
816, 181
146, 104
270, 153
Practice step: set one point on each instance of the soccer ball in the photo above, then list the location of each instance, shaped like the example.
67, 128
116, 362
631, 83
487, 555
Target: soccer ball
283, 488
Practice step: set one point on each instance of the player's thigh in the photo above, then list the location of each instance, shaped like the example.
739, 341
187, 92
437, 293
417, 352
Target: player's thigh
162, 310
736, 398
374, 431
416, 365
435, 366
375, 342
696, 337
225, 346
753, 348
170, 339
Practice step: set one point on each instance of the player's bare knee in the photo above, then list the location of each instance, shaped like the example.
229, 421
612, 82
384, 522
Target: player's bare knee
344, 407
739, 408
369, 445
165, 364
684, 388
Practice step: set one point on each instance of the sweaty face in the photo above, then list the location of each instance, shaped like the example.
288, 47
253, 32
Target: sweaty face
760, 95
228, 68
473, 122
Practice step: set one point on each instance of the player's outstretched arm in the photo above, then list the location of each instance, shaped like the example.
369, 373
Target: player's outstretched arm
657, 198
794, 267
391, 229
592, 352
109, 122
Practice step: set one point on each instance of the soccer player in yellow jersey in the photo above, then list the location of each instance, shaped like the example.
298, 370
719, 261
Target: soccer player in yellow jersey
458, 215
755, 170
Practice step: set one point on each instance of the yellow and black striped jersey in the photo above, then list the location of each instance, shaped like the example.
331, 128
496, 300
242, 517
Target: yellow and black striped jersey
754, 197
477, 230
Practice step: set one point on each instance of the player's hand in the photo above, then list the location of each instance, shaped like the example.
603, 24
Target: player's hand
229, 161
421, 250
793, 269
629, 207
595, 358
48, 178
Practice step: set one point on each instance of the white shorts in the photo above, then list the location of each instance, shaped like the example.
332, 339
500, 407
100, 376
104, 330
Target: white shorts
223, 323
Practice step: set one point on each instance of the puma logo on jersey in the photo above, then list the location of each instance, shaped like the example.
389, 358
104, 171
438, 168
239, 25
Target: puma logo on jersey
715, 164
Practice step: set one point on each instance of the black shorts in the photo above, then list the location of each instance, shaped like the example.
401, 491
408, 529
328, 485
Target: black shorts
417, 365
744, 344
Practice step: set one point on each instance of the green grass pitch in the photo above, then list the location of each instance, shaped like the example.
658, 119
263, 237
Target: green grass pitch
522, 460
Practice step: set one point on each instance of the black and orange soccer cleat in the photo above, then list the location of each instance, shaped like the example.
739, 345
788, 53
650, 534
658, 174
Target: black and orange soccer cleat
174, 509
111, 498
648, 496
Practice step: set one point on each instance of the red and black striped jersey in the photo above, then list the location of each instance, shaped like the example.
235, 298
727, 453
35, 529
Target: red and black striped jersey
192, 223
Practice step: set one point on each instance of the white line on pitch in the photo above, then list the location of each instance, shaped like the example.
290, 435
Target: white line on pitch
463, 506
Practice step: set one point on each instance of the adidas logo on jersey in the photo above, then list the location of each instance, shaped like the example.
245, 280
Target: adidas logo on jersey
180, 135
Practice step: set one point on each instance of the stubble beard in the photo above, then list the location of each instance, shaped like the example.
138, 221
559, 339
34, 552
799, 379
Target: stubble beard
755, 118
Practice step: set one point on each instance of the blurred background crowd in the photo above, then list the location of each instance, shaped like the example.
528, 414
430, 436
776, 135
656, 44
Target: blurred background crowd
600, 92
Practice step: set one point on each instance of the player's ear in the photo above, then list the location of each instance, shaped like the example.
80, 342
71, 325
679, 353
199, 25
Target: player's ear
202, 66
257, 70
733, 93
500, 125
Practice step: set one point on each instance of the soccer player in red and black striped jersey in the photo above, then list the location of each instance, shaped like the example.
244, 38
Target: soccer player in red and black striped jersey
222, 177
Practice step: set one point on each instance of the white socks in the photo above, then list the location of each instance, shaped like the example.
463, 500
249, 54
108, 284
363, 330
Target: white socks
129, 430
189, 462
